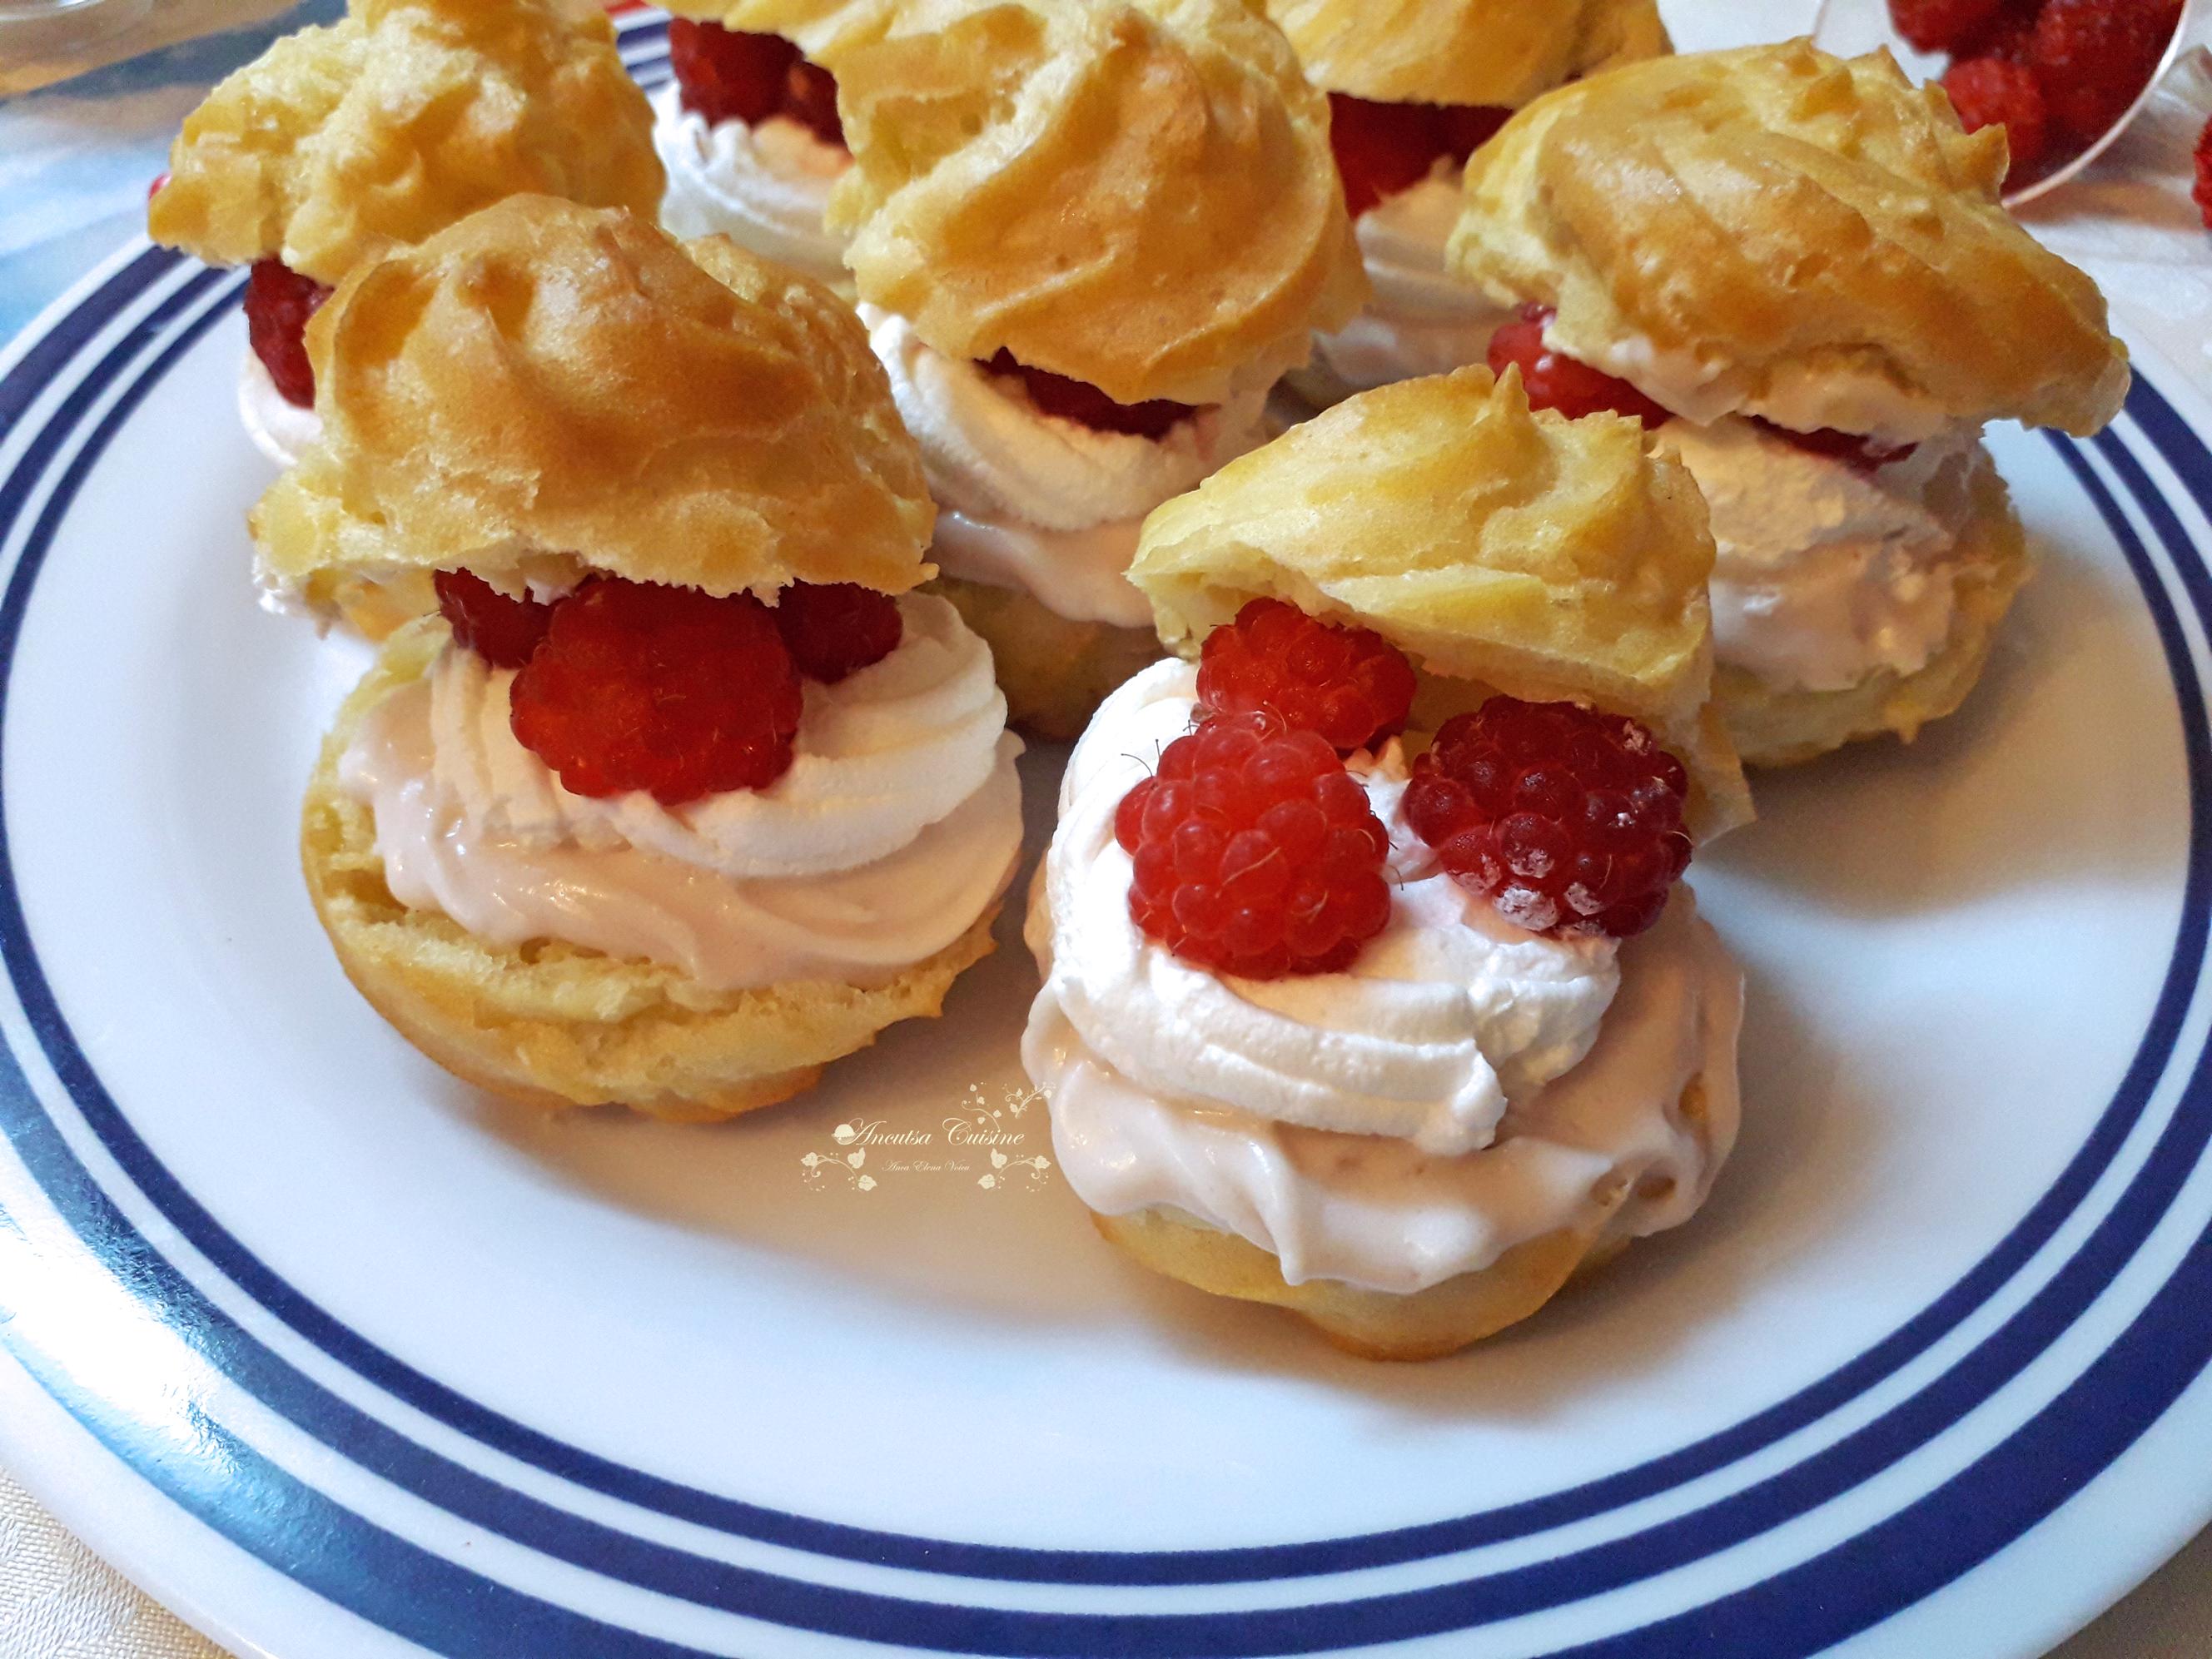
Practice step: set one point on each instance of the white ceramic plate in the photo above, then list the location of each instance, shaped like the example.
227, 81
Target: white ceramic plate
340, 1359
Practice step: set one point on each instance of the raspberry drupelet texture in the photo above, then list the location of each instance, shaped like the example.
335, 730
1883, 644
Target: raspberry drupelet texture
1255, 853
1348, 685
1943, 25
666, 689
1555, 382
2094, 58
1086, 405
834, 629
1568, 820
506, 632
278, 303
735, 75
1993, 92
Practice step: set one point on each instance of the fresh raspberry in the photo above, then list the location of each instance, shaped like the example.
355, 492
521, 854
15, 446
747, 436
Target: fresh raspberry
811, 97
1256, 853
504, 632
1381, 149
666, 689
832, 629
2008, 38
1990, 92
731, 75
2096, 56
2203, 192
1350, 686
1569, 820
1942, 25
1466, 128
1554, 382
278, 302
1085, 404
1856, 450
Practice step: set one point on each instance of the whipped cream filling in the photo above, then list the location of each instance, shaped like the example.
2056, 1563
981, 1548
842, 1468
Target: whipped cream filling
1422, 319
1446, 1014
1034, 502
898, 823
765, 187
1464, 1086
1826, 573
1803, 398
280, 429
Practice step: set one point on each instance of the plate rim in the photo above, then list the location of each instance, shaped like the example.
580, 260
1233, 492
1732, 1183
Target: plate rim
138, 258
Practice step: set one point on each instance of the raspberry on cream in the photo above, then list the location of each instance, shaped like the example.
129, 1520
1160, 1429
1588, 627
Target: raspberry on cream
1039, 501
1824, 352
281, 429
898, 824
1390, 1126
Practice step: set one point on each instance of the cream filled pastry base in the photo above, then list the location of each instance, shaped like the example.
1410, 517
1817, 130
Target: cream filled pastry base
897, 826
1035, 502
1421, 319
765, 187
1465, 1087
1826, 572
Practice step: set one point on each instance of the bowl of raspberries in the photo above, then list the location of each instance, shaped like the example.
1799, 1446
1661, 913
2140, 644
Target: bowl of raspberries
2063, 78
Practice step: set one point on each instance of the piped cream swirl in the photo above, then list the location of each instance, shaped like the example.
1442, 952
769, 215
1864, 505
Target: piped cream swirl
1828, 572
1464, 1088
765, 186
1421, 318
897, 826
1447, 1014
1033, 501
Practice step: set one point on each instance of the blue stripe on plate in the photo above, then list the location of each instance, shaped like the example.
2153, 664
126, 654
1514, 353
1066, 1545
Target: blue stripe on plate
1493, 1597
422, 1595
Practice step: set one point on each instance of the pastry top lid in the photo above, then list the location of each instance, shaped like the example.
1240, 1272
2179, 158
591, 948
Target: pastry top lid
546, 390
1547, 558
823, 29
1500, 53
1776, 232
339, 143
1135, 193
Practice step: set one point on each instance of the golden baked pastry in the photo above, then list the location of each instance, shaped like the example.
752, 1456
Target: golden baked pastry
339, 145
1498, 547
1771, 726
1138, 194
1426, 1324
1770, 219
1054, 671
1496, 52
545, 386
823, 29
555, 1024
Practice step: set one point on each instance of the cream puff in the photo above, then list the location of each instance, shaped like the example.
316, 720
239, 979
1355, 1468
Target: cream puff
339, 145
748, 130
1413, 89
1796, 271
1087, 239
686, 790
1372, 986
